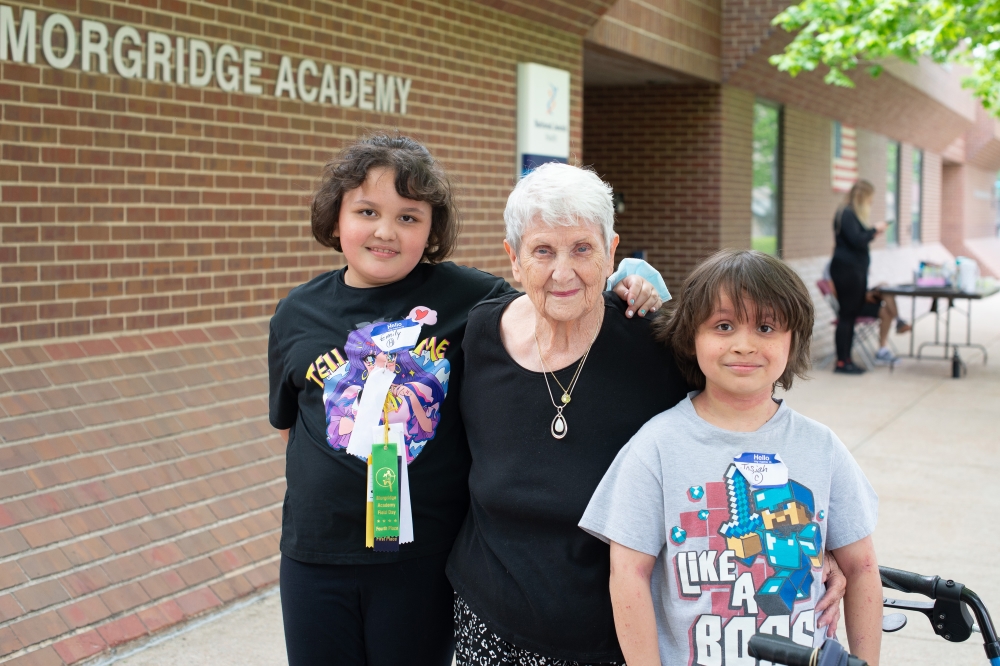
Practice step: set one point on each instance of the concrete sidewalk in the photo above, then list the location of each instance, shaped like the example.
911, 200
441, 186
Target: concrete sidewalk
929, 444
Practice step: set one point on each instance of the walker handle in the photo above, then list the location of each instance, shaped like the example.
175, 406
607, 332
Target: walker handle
906, 581
779, 650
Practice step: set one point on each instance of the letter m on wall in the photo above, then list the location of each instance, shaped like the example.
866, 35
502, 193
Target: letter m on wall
13, 42
385, 93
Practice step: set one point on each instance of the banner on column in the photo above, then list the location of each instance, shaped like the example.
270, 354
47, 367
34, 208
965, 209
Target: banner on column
542, 116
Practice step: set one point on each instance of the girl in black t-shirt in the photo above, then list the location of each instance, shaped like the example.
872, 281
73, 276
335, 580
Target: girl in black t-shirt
391, 323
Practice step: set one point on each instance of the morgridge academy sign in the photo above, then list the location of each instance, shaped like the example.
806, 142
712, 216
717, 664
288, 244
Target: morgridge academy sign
194, 62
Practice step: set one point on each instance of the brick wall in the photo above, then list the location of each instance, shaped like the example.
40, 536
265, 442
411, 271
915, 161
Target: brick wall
140, 485
148, 229
982, 141
131, 204
746, 26
968, 208
980, 220
660, 146
932, 198
953, 197
737, 167
809, 202
681, 35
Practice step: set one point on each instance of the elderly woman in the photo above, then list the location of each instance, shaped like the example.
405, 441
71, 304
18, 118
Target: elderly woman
557, 380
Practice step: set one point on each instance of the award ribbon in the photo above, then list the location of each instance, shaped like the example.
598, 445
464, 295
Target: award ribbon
385, 475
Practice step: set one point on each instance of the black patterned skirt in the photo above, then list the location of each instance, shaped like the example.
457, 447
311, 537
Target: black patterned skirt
476, 645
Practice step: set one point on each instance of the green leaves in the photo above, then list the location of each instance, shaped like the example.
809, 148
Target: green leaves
846, 34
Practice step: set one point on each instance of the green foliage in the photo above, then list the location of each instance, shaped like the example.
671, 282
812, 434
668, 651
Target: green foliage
847, 34
765, 144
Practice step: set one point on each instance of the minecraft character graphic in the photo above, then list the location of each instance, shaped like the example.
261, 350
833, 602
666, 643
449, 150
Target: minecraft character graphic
776, 522
414, 398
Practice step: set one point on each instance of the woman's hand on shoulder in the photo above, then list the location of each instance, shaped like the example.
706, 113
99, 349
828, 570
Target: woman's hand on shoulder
639, 294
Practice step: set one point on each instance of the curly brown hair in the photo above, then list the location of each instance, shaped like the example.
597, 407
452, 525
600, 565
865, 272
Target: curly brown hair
757, 284
418, 177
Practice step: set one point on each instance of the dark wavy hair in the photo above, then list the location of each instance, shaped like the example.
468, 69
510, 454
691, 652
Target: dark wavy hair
418, 177
757, 284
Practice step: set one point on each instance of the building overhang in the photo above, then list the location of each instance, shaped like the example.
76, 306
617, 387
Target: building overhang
921, 105
576, 17
683, 38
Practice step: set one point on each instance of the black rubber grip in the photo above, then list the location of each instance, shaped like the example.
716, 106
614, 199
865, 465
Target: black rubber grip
779, 650
905, 581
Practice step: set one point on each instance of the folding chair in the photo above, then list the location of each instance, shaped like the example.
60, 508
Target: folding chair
866, 329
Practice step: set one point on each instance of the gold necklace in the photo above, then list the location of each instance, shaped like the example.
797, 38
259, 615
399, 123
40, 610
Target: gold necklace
560, 426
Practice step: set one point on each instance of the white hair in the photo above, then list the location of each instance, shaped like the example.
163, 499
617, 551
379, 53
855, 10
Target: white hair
557, 194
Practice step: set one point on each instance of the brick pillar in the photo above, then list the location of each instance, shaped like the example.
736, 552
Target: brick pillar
952, 207
664, 148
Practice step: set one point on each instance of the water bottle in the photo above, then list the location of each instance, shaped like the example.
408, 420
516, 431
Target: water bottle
956, 365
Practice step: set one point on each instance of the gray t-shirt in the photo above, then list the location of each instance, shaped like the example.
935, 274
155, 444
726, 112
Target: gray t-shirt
732, 558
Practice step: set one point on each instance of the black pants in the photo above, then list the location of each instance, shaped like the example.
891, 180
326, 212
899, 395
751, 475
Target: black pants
850, 282
368, 614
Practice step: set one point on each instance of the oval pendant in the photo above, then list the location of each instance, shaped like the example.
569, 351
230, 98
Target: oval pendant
559, 427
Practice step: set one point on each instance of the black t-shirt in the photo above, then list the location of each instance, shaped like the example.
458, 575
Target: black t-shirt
522, 564
320, 344
852, 240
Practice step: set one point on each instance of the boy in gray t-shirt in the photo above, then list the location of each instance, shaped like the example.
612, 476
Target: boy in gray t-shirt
719, 510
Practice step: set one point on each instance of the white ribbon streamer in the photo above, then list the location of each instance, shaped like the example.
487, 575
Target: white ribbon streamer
373, 395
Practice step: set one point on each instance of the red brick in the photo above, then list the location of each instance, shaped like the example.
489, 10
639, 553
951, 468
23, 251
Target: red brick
198, 601
160, 616
39, 628
9, 608
9, 642
41, 595
11, 542
84, 612
11, 575
85, 581
163, 584
264, 575
232, 588
122, 630
86, 551
153, 619
125, 597
44, 563
47, 656
79, 647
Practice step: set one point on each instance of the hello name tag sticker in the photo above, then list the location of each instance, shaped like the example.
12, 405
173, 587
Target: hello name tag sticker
762, 470
396, 336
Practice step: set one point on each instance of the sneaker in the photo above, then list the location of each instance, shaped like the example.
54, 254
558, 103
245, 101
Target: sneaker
885, 357
902, 327
848, 368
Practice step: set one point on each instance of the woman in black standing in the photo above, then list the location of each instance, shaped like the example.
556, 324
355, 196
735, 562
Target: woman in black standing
849, 269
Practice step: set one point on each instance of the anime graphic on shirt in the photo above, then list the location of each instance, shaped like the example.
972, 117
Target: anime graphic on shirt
764, 544
416, 394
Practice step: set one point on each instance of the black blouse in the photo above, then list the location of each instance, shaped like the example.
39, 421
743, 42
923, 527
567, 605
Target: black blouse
520, 561
852, 239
